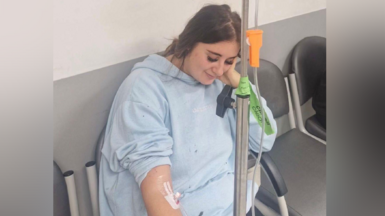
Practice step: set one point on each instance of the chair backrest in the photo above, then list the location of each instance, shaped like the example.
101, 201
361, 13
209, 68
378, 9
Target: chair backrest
272, 86
98, 149
308, 62
61, 206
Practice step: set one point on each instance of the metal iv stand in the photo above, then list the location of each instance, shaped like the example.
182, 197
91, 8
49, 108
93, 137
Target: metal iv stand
242, 131
251, 41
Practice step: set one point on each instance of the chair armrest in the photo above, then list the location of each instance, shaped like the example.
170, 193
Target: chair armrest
272, 173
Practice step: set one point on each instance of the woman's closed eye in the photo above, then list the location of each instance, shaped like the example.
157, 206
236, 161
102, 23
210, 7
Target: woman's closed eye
211, 59
229, 62
214, 60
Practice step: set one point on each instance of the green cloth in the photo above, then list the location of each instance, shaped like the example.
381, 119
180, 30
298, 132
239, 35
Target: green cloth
244, 89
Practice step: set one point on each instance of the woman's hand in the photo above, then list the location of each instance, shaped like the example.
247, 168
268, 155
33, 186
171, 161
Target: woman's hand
231, 77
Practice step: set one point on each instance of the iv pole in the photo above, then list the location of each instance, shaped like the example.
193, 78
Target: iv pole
251, 40
242, 131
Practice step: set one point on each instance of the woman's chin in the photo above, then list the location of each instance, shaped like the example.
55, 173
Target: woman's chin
207, 82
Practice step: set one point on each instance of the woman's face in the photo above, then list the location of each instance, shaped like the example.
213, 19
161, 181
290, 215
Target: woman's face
207, 62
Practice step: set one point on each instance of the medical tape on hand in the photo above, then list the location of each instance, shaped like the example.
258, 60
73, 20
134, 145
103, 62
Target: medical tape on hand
166, 190
245, 89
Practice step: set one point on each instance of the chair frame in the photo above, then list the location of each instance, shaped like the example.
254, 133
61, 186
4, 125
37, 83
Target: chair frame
297, 107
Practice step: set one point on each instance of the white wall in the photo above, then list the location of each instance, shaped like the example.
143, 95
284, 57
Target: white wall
89, 34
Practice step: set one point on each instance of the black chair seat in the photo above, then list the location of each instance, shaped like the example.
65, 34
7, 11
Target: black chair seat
313, 126
302, 163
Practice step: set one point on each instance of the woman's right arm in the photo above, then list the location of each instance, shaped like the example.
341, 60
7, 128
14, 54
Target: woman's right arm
154, 191
140, 141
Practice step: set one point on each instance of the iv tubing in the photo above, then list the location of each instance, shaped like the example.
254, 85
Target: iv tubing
263, 118
261, 142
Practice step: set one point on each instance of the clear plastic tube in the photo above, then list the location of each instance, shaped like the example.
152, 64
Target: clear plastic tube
260, 143
263, 116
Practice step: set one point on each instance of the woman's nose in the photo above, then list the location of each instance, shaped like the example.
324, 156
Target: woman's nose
219, 70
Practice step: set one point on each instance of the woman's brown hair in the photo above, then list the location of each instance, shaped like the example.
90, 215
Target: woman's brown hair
211, 24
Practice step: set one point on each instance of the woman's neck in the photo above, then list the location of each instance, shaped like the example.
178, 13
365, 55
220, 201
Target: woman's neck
178, 62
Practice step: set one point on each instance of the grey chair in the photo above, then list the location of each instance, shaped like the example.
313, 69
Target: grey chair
61, 206
308, 65
300, 158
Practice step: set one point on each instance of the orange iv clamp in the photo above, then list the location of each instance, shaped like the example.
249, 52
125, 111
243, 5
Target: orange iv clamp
254, 38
